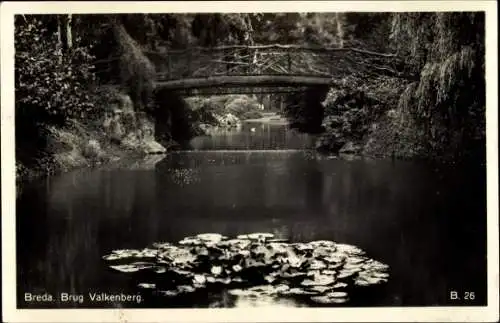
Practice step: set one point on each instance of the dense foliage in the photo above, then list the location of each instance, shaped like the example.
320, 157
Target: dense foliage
447, 104
64, 64
50, 82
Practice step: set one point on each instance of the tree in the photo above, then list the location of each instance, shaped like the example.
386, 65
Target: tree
51, 82
448, 102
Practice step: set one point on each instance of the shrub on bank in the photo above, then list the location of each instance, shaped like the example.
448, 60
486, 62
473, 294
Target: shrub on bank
356, 116
251, 115
240, 105
222, 111
50, 84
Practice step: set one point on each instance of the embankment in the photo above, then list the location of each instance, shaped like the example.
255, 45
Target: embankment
116, 133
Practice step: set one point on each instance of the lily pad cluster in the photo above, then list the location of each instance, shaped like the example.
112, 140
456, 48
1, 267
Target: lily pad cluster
253, 265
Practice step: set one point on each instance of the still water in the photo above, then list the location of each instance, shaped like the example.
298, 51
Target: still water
427, 223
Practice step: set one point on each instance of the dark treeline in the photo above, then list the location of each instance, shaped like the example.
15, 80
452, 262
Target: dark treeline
70, 69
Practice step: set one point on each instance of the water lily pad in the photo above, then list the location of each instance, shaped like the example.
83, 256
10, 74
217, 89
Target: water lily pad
337, 294
312, 268
185, 273
335, 266
113, 257
260, 236
370, 280
296, 274
211, 237
169, 293
121, 254
322, 243
237, 243
264, 289
245, 253
314, 272
353, 267
143, 264
295, 261
345, 274
277, 240
130, 268
349, 249
237, 268
126, 251
302, 246
328, 272
199, 279
237, 280
328, 300
375, 265
126, 268
319, 280
278, 247
250, 262
334, 259
161, 245
191, 241
259, 249
160, 269
320, 289
361, 282
380, 275
317, 264
339, 300
147, 285
216, 270
356, 260
185, 289
147, 253
281, 288
340, 285
270, 279
240, 292
299, 291
322, 252
225, 281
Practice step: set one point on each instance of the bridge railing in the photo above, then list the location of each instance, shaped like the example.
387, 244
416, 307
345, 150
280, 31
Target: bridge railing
199, 62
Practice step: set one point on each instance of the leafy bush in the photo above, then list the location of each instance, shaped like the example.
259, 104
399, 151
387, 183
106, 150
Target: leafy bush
50, 83
240, 105
251, 115
137, 73
447, 103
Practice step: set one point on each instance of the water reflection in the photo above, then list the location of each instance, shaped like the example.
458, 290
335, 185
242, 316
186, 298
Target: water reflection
429, 227
254, 136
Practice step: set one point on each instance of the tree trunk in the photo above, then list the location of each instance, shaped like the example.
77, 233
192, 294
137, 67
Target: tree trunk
340, 29
59, 39
69, 32
65, 34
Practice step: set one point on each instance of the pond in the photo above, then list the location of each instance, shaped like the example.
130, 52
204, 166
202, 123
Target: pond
426, 223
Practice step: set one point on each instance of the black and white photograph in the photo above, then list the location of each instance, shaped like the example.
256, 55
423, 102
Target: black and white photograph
334, 157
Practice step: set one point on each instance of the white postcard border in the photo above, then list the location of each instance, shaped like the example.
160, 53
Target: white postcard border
389, 314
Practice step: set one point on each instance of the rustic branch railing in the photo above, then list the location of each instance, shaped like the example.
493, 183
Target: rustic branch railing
274, 59
194, 66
